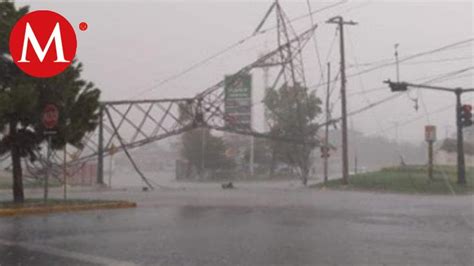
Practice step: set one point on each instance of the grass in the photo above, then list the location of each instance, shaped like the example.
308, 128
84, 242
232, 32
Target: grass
37, 206
51, 202
408, 180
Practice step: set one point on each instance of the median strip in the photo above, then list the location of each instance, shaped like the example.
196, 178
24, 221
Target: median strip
55, 206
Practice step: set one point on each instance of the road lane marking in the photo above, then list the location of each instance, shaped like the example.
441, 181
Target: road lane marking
67, 254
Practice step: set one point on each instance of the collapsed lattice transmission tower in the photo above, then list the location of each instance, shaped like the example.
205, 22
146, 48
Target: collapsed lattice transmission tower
125, 125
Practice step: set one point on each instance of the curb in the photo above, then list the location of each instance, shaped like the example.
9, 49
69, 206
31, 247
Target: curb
5, 212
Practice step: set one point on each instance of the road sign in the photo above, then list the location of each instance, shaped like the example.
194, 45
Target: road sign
238, 100
50, 116
430, 133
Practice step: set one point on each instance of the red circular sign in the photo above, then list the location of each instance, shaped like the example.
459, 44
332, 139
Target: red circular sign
50, 116
43, 44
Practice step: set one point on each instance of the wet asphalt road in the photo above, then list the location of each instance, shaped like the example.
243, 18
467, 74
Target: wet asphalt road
248, 226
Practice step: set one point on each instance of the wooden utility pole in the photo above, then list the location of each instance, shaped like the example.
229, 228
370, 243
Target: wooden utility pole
430, 160
345, 153
326, 128
430, 137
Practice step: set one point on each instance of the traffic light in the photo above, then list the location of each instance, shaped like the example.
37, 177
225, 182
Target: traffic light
466, 115
397, 86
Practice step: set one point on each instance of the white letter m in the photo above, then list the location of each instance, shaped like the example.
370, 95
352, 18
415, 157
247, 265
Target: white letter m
31, 37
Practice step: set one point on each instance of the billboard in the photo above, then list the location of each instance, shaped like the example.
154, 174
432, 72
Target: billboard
238, 101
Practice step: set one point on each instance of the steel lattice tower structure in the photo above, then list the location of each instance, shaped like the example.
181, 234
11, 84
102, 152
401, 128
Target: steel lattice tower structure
129, 124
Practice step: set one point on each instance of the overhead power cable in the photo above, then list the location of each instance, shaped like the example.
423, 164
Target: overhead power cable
225, 50
384, 100
307, 15
410, 57
193, 66
328, 55
441, 60
450, 74
365, 108
361, 81
315, 41
428, 79
409, 121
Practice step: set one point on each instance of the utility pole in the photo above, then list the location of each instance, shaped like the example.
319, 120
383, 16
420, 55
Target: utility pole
345, 156
65, 170
460, 124
252, 155
460, 139
203, 148
326, 127
100, 148
430, 160
48, 170
266, 78
430, 137
355, 147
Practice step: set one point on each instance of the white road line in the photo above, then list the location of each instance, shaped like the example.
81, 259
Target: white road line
67, 254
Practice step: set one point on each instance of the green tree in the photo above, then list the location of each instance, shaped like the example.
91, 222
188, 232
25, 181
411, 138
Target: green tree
200, 148
293, 111
22, 99
205, 151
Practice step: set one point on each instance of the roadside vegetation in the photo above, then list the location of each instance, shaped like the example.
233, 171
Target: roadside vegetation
23, 99
51, 202
38, 206
408, 180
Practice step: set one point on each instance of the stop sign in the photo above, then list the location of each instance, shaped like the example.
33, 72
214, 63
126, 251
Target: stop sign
50, 116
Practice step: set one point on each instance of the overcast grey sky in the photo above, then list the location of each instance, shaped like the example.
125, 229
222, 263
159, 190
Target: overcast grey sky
130, 46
